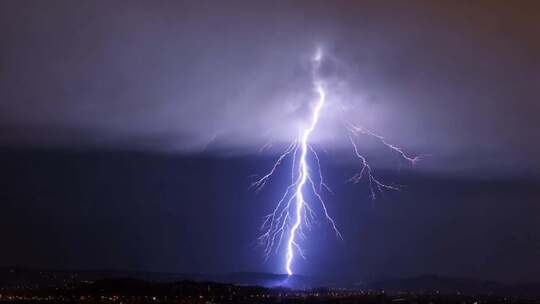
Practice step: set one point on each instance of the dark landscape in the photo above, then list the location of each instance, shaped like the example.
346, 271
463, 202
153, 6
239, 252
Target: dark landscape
24, 285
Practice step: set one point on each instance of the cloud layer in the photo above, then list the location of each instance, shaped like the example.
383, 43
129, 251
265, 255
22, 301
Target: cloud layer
457, 81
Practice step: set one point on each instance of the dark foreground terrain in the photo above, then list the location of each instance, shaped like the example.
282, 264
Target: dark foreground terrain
136, 291
25, 286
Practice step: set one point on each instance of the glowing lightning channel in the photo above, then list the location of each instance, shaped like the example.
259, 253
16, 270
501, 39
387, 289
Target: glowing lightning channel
292, 212
303, 177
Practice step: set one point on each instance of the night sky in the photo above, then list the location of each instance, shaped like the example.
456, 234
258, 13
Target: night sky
130, 132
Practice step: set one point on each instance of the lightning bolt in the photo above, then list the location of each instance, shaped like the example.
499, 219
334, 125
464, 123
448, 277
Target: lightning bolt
303, 178
293, 213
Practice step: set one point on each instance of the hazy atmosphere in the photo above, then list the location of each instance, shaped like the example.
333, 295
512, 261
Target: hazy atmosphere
131, 131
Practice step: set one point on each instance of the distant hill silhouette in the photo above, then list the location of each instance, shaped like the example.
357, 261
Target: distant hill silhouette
17, 278
21, 277
432, 283
452, 285
264, 279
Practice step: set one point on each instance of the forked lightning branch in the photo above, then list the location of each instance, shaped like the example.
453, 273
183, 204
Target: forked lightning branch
293, 214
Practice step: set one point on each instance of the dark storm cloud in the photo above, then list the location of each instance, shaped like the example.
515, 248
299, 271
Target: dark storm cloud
457, 81
125, 210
